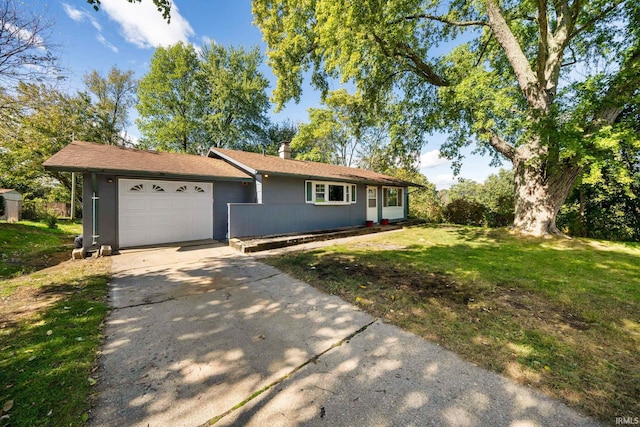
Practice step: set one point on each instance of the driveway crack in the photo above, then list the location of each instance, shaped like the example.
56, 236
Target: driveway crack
258, 279
223, 288
143, 303
285, 377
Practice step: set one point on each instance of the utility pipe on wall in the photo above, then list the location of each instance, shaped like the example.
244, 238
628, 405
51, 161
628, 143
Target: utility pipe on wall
94, 200
73, 195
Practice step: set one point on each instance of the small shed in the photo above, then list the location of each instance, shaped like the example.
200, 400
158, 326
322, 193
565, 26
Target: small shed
12, 204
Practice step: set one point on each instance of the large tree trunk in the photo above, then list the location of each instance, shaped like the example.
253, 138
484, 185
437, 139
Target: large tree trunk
539, 195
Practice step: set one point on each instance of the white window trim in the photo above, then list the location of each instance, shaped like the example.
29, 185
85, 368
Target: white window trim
349, 193
385, 198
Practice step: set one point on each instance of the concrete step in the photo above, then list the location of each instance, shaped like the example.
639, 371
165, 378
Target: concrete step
253, 244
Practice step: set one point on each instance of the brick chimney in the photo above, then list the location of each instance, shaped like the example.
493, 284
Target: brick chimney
284, 151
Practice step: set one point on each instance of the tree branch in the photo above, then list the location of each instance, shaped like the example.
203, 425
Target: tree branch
405, 51
597, 17
623, 86
483, 50
556, 45
24, 48
425, 69
502, 146
442, 19
529, 85
543, 39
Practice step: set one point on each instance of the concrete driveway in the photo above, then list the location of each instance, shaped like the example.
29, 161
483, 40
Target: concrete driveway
203, 334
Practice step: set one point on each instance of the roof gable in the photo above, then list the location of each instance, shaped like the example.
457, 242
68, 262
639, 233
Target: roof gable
80, 156
256, 163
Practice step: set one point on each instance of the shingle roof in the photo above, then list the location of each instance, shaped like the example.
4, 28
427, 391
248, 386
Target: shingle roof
256, 163
82, 156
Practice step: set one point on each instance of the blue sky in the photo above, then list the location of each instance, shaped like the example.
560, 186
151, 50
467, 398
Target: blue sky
125, 35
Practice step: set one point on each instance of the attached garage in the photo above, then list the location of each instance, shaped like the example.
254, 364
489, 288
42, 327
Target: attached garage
136, 197
154, 211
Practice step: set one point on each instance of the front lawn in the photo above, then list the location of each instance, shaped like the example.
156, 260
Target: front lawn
50, 327
556, 314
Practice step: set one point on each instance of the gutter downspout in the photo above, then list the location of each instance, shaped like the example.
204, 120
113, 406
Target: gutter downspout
94, 200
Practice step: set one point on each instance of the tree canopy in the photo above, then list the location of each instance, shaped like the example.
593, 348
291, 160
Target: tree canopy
172, 101
114, 95
540, 84
42, 119
45, 123
238, 102
345, 132
189, 101
334, 133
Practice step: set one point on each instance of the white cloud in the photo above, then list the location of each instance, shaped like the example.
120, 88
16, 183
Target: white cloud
80, 16
431, 159
142, 25
73, 13
443, 181
106, 43
206, 40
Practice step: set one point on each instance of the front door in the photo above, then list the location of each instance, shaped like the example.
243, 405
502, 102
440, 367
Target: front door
372, 204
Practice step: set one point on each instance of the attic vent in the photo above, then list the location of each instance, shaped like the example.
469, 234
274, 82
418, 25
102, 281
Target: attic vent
157, 188
199, 189
182, 189
137, 187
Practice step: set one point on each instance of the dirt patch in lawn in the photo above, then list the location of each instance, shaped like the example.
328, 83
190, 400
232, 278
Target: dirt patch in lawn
468, 297
27, 262
422, 285
530, 306
34, 292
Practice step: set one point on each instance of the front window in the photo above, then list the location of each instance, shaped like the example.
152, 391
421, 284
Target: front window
392, 197
330, 193
336, 193
320, 193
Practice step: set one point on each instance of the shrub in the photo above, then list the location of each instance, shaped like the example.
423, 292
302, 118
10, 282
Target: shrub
2, 205
50, 219
464, 212
502, 215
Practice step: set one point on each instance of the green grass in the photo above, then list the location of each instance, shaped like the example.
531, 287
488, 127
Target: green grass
557, 314
27, 246
50, 332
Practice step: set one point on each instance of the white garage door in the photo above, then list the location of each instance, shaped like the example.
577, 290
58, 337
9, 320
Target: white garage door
153, 211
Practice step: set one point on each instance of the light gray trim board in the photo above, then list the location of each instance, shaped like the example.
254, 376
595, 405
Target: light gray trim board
233, 161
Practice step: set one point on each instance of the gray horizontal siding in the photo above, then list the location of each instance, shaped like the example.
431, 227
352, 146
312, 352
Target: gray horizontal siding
225, 193
284, 210
251, 219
